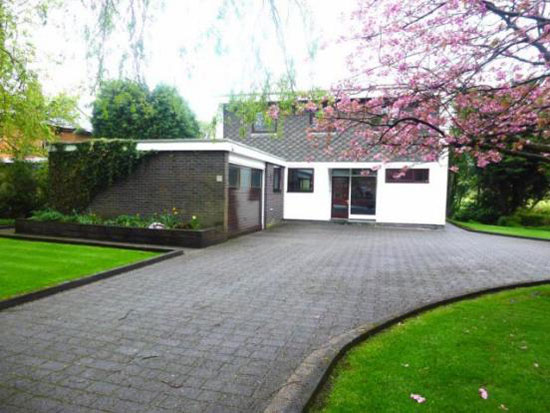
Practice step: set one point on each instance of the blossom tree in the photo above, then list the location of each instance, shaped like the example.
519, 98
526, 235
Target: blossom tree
427, 75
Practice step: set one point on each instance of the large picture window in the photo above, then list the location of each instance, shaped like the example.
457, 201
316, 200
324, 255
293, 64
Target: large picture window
410, 176
300, 180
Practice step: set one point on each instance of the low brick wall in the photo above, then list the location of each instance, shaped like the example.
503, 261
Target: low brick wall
172, 237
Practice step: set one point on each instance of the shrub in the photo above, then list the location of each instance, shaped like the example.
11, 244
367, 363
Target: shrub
487, 215
463, 214
194, 223
88, 219
133, 221
542, 207
511, 221
170, 221
47, 215
22, 188
480, 214
533, 219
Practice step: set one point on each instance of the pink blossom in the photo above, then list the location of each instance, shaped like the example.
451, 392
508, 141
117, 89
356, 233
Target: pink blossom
311, 106
426, 76
273, 112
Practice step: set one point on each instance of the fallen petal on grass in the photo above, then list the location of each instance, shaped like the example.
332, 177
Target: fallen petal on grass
418, 398
483, 393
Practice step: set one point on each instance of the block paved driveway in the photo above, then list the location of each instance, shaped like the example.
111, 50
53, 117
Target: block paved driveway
222, 329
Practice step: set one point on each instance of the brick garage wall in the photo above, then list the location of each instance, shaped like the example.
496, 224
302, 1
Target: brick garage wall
274, 201
185, 180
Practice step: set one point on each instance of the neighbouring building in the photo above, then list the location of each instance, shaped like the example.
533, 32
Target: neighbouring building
65, 134
247, 183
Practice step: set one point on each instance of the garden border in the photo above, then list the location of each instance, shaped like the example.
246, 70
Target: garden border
167, 253
301, 388
465, 228
199, 238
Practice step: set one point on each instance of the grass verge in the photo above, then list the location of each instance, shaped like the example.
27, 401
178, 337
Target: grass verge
6, 222
28, 266
498, 342
495, 229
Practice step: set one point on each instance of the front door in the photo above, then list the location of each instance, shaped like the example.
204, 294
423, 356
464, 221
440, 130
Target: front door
340, 196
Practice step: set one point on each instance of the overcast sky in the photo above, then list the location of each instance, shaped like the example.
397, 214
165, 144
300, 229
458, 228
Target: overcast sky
206, 52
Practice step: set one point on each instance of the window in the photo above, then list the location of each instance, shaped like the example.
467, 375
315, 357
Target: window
409, 176
300, 180
246, 177
261, 125
312, 119
363, 172
276, 179
256, 178
234, 176
340, 172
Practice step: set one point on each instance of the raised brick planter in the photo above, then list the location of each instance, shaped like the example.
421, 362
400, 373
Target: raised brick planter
173, 237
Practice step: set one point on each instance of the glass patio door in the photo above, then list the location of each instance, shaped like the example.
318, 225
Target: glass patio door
363, 195
353, 193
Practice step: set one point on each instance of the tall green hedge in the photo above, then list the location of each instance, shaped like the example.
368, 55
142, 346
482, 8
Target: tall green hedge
79, 172
23, 188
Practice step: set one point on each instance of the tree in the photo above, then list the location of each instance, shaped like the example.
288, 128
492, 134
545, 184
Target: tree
25, 112
126, 109
122, 110
428, 75
499, 189
172, 118
511, 183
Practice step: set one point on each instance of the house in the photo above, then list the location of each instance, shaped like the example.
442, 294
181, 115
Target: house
247, 183
63, 133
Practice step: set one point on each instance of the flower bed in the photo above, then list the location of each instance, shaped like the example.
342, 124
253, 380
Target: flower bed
192, 238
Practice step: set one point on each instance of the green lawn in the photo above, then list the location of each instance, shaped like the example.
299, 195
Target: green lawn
519, 231
6, 221
27, 266
499, 342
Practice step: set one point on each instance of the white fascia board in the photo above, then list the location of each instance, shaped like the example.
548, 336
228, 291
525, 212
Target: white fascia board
236, 159
180, 145
209, 145
359, 164
253, 153
333, 165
